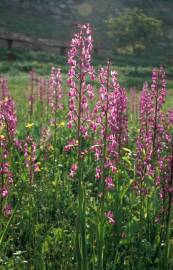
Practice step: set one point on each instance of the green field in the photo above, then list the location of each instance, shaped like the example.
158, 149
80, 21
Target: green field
41, 231
86, 141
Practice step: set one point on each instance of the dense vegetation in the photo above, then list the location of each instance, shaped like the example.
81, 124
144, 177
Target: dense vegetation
134, 31
86, 182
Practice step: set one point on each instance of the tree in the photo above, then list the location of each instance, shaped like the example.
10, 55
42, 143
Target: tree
133, 30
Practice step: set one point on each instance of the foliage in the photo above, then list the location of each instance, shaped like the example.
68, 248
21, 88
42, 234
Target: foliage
133, 30
86, 182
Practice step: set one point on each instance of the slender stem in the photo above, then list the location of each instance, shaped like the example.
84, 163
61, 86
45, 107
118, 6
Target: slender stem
81, 249
168, 218
31, 97
120, 125
55, 128
105, 138
2, 184
155, 123
102, 202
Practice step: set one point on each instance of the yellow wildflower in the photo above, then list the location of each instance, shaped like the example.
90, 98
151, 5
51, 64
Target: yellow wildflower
2, 137
29, 125
62, 124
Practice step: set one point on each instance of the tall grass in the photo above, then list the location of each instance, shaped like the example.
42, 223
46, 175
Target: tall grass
86, 182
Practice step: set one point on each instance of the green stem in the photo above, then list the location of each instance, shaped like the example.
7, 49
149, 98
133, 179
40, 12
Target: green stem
81, 250
168, 219
9, 223
102, 202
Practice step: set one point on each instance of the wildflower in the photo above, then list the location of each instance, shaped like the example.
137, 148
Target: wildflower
109, 183
98, 173
42, 85
62, 124
4, 91
151, 135
71, 144
73, 170
110, 217
30, 157
29, 125
8, 117
4, 192
79, 59
55, 90
7, 210
37, 167
2, 137
109, 118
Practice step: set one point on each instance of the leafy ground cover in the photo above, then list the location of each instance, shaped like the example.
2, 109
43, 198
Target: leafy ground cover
86, 176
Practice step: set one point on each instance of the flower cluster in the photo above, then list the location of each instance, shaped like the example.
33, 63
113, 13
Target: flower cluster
79, 59
110, 217
6, 176
30, 158
55, 89
8, 117
42, 89
4, 91
150, 142
165, 179
109, 121
73, 170
8, 123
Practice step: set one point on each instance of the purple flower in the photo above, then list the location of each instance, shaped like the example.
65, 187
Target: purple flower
55, 89
109, 183
110, 217
73, 171
8, 116
79, 59
7, 210
29, 150
4, 192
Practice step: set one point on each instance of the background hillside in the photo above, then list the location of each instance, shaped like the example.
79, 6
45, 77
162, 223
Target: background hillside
55, 19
